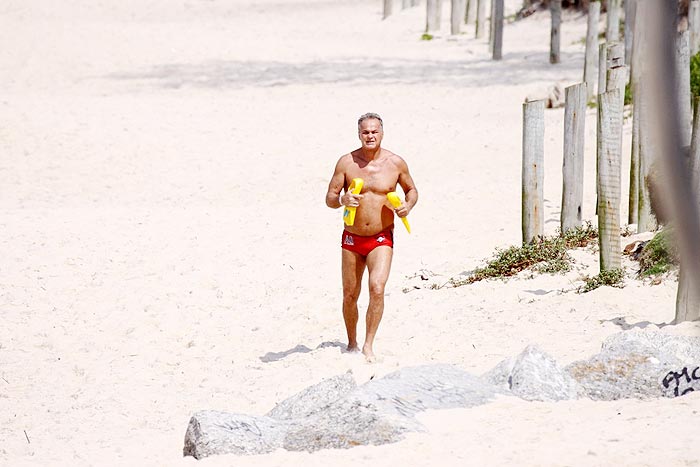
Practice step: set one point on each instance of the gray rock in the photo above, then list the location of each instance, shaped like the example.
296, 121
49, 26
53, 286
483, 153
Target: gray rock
320, 417
640, 364
314, 398
382, 410
212, 432
535, 376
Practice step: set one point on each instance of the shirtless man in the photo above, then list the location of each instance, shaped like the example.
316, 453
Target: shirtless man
369, 242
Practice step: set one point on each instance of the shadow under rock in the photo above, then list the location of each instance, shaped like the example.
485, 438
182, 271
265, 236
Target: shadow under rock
516, 68
277, 356
625, 326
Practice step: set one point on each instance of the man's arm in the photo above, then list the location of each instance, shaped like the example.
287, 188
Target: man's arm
335, 186
409, 189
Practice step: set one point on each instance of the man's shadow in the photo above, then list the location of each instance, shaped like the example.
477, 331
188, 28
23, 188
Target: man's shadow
277, 356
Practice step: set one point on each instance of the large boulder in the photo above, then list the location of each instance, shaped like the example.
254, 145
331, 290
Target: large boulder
334, 414
640, 364
535, 376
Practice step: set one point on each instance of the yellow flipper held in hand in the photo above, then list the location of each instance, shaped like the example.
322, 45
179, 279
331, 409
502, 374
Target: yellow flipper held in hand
396, 202
349, 212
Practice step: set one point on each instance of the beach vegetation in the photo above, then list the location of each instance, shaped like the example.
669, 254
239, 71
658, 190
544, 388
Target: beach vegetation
695, 75
545, 255
659, 255
609, 277
426, 37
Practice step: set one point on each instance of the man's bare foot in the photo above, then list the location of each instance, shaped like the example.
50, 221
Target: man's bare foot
369, 354
352, 348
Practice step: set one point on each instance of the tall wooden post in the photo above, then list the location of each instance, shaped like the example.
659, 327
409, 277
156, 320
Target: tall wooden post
388, 7
608, 159
415, 2
470, 12
630, 11
555, 35
683, 85
694, 26
432, 22
572, 169
480, 19
533, 171
456, 16
602, 67
616, 74
405, 4
591, 60
498, 30
612, 30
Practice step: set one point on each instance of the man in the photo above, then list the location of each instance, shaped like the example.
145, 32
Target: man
368, 243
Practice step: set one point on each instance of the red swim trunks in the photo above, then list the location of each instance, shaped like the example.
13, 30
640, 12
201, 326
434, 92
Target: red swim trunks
363, 245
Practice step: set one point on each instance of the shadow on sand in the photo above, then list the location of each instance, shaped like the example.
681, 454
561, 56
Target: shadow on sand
277, 356
515, 68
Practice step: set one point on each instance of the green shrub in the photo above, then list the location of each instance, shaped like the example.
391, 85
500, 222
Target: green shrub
426, 37
695, 75
546, 255
612, 278
659, 255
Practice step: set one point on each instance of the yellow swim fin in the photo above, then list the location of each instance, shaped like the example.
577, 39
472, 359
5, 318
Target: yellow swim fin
350, 211
396, 202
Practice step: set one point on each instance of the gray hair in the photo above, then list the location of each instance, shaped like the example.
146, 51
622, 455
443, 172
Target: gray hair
369, 115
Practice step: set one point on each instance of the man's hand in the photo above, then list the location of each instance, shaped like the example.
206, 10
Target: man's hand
351, 200
402, 211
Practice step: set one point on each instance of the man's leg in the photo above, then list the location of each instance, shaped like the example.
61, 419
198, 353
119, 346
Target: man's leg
378, 265
353, 265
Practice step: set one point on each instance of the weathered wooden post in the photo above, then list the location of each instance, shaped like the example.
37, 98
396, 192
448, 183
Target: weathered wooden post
555, 36
616, 74
694, 26
608, 179
470, 12
630, 11
388, 7
612, 29
572, 169
405, 4
602, 67
456, 16
432, 22
498, 30
480, 18
415, 2
533, 171
683, 85
591, 59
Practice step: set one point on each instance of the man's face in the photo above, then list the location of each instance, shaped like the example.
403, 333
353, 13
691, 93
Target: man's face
371, 133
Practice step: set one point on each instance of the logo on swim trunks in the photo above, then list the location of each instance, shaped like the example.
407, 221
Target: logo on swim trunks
381, 239
348, 240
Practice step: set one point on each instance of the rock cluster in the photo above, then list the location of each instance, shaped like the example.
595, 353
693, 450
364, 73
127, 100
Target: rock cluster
336, 413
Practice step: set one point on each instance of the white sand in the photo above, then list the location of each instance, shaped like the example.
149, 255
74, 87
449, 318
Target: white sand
166, 248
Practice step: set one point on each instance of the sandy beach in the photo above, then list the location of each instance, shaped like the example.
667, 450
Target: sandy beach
166, 247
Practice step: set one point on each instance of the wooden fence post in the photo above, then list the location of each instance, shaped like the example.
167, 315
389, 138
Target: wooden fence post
630, 12
591, 60
388, 7
694, 26
470, 12
572, 169
683, 85
432, 22
533, 171
405, 4
480, 18
555, 36
498, 30
456, 16
608, 179
602, 67
612, 29
616, 74
415, 2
